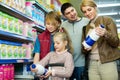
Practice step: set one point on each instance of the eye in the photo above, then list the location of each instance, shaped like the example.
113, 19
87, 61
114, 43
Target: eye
72, 10
58, 43
84, 11
67, 13
47, 23
89, 9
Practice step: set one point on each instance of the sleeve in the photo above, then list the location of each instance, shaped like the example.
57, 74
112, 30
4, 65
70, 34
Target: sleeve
36, 46
68, 68
45, 60
111, 35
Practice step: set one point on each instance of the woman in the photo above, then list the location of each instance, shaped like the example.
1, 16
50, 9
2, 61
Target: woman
102, 55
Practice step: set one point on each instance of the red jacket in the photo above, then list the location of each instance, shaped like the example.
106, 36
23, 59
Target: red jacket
45, 43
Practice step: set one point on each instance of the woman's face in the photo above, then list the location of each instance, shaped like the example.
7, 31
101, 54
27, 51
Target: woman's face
89, 12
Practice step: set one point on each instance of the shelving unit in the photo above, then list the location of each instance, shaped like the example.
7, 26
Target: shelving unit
4, 35
38, 27
28, 77
14, 37
8, 36
40, 7
7, 61
13, 12
20, 39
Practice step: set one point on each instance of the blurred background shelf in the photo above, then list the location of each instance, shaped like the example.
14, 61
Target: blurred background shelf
25, 77
14, 37
13, 12
7, 61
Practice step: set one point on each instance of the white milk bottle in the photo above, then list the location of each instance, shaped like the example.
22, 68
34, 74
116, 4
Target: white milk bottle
40, 68
91, 38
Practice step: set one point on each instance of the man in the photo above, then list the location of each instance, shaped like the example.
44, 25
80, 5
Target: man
74, 25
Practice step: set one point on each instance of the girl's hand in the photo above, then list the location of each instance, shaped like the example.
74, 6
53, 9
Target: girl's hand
49, 73
42, 77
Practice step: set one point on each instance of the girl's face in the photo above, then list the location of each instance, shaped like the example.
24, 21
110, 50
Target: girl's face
71, 14
50, 26
89, 12
59, 44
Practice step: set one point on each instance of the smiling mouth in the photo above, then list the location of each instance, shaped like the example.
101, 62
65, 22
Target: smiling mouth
89, 16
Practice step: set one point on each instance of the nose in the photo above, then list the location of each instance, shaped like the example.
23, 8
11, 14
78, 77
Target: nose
54, 45
87, 13
71, 13
49, 26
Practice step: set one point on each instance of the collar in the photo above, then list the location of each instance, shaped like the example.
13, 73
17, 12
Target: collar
78, 19
62, 52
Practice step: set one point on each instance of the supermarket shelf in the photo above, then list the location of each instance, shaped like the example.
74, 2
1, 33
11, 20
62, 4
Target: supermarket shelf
14, 37
10, 43
13, 12
40, 6
7, 61
39, 28
24, 77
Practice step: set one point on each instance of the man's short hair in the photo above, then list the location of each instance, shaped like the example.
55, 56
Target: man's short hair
65, 6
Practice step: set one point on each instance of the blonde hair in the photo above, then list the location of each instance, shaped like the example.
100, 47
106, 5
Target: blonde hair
90, 3
54, 18
63, 34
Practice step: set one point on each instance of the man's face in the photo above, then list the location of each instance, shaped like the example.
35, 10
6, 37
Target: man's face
71, 14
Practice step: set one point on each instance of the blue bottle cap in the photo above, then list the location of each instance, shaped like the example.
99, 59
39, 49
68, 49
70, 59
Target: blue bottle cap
102, 26
33, 66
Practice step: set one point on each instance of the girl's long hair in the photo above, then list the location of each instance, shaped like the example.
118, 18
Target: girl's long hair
65, 37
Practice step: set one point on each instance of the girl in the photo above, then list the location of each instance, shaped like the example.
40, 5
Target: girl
104, 52
44, 41
62, 45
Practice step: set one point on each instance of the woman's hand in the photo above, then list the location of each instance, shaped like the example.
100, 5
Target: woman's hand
87, 49
100, 31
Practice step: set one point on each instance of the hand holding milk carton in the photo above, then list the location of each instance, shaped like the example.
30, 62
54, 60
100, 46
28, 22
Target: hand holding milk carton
91, 38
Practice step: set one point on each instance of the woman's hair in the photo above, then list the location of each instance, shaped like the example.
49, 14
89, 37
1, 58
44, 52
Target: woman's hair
53, 17
63, 34
90, 3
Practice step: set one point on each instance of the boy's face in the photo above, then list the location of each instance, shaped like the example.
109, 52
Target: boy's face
71, 14
51, 27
